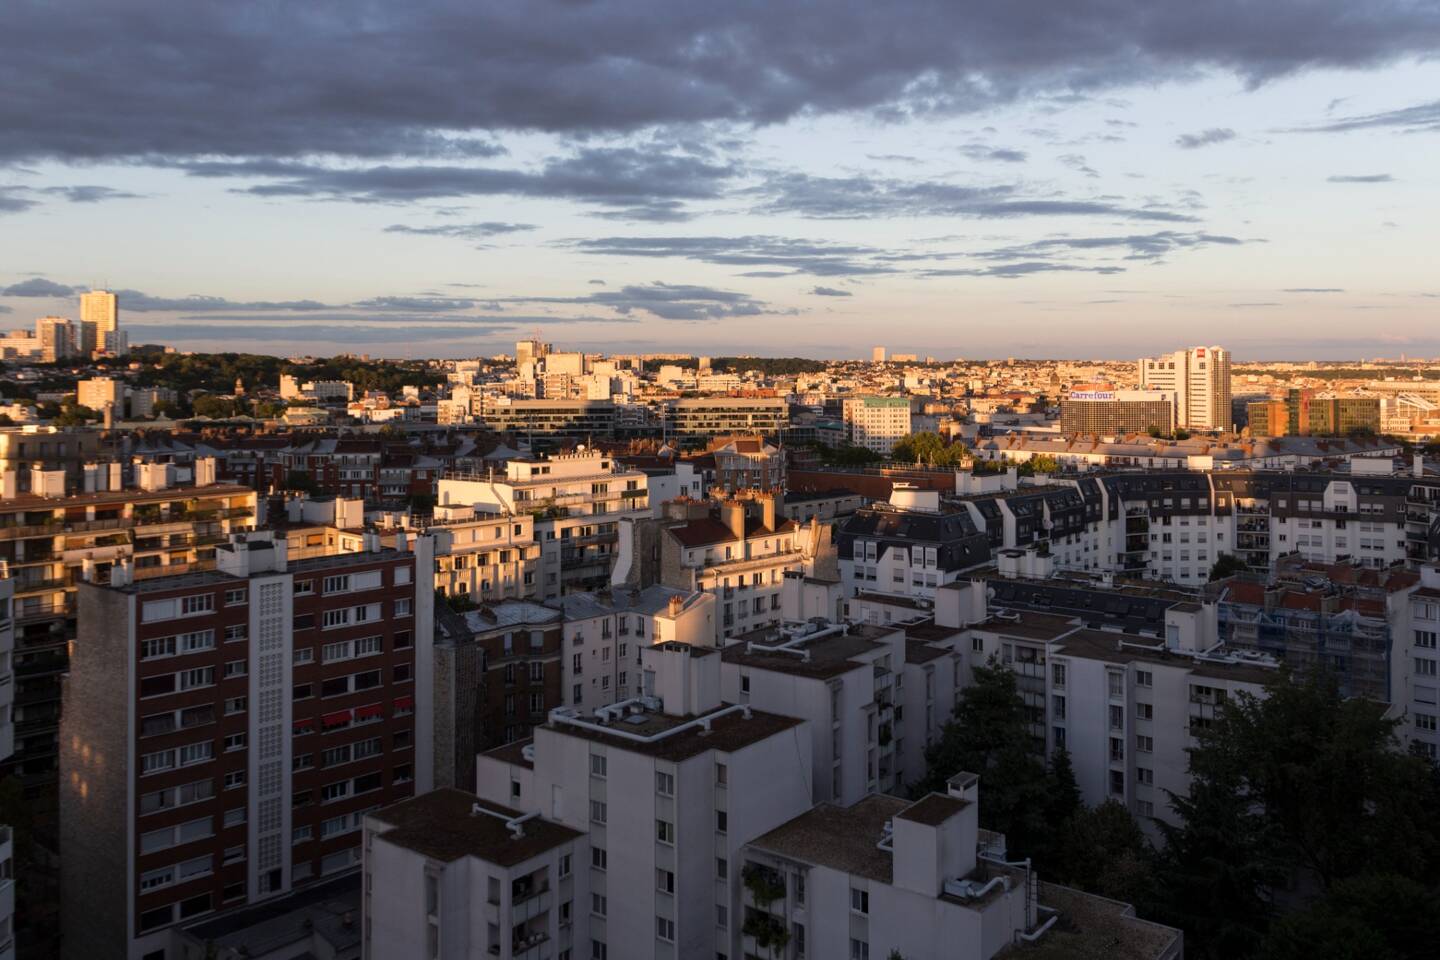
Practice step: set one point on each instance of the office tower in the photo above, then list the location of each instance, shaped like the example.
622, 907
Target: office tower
877, 355
227, 731
57, 338
1198, 379
1101, 409
99, 316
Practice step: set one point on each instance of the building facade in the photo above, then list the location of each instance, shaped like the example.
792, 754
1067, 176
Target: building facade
1199, 381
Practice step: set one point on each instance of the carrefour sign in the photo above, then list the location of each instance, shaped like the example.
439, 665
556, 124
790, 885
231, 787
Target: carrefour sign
1093, 395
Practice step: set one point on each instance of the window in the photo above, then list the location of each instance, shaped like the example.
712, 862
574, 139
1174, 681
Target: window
234, 597
402, 608
665, 929
597, 765
722, 821
564, 868
1424, 667
598, 858
722, 774
158, 647
337, 584
1144, 775
235, 668
665, 881
234, 741
597, 811
303, 655
664, 784
860, 900
665, 831
235, 817
235, 633
199, 677
1145, 711
193, 753
722, 868
859, 949
304, 587
200, 603
598, 905
1144, 678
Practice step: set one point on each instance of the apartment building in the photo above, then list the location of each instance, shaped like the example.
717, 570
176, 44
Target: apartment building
669, 789
449, 875
909, 546
51, 540
606, 631
97, 393
736, 550
1199, 381
549, 421
57, 338
498, 673
748, 463
99, 323
876, 423
7, 747
693, 420
576, 500
227, 731
485, 557
872, 698
1422, 664
894, 877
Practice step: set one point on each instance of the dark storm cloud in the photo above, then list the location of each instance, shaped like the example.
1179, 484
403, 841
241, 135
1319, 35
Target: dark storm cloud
668, 301
859, 197
1361, 178
38, 287
830, 292
816, 258
1204, 138
437, 77
633, 180
466, 231
1421, 118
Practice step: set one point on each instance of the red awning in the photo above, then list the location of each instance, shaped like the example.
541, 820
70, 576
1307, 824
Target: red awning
370, 710
306, 724
405, 703
336, 719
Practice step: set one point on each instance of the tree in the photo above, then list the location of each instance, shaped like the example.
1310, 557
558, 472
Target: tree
216, 408
269, 409
1227, 565
850, 456
1104, 851
1302, 786
989, 735
1375, 917
301, 481
929, 449
74, 415
1040, 463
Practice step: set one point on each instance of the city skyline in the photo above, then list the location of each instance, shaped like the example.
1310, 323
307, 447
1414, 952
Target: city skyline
1029, 188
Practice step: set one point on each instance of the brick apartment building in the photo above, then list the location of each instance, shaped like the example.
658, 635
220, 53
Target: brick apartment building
227, 731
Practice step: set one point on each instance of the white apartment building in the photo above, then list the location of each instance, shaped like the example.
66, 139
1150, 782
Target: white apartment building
669, 789
605, 632
485, 557
908, 547
576, 501
876, 423
99, 392
1199, 381
449, 876
871, 706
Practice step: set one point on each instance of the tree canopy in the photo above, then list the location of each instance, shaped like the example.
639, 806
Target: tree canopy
929, 449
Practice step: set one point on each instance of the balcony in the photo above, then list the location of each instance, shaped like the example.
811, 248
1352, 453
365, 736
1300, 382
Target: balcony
529, 947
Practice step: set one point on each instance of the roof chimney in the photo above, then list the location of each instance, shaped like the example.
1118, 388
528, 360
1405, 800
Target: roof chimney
732, 514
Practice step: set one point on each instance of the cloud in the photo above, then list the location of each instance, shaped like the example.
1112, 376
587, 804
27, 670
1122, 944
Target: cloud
1313, 290
414, 303
1010, 271
1137, 246
464, 231
90, 193
980, 151
440, 77
1421, 118
134, 301
5, 309
796, 256
635, 182
830, 292
1078, 163
16, 200
1361, 178
1205, 138
38, 287
860, 197
667, 301
1249, 306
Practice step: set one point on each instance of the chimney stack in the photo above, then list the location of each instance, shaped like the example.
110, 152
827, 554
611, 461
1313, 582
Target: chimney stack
732, 514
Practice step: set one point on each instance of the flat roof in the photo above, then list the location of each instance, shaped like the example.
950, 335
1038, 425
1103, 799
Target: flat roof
1029, 625
728, 733
829, 656
842, 838
443, 825
1103, 645
933, 809
1091, 926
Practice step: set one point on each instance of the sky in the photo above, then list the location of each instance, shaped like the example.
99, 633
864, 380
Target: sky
956, 178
